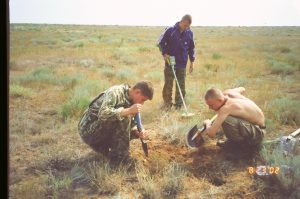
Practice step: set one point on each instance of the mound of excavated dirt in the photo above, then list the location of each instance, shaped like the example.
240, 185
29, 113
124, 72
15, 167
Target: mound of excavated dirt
211, 175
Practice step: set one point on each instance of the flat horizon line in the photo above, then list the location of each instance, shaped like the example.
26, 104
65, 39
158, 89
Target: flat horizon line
151, 25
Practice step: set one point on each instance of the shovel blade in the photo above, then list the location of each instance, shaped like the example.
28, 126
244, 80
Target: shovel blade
194, 143
145, 147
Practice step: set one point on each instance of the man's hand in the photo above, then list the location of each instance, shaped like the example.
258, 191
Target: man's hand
166, 57
143, 135
134, 109
207, 123
191, 67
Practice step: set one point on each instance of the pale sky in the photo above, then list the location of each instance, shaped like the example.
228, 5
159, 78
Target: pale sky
157, 12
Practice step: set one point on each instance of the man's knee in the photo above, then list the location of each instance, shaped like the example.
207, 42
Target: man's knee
231, 129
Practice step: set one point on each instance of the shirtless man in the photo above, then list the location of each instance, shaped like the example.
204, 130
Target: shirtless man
241, 119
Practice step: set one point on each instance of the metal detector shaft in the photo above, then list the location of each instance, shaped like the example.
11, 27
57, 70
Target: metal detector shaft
177, 83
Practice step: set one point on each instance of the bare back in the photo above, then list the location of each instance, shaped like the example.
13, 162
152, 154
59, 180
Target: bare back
242, 107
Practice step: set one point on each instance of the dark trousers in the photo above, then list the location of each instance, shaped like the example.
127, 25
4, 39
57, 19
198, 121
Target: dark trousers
168, 86
242, 136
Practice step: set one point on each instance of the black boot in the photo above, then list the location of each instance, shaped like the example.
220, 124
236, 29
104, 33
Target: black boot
178, 107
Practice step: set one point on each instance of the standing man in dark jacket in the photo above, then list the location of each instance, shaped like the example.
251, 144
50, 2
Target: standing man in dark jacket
177, 41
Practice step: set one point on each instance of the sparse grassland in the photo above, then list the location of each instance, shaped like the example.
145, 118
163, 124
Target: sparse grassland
55, 71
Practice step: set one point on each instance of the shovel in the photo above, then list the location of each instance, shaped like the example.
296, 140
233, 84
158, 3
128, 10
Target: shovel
287, 144
194, 138
138, 120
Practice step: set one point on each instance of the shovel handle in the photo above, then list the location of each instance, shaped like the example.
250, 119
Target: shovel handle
203, 127
138, 120
295, 133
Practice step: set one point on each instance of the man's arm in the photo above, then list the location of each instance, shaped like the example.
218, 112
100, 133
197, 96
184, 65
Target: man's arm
212, 129
108, 111
163, 43
192, 48
235, 92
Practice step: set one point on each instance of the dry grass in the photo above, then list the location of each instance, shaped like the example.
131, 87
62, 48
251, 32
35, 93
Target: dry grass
56, 70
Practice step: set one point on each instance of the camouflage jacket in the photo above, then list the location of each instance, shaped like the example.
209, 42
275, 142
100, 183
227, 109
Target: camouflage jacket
107, 106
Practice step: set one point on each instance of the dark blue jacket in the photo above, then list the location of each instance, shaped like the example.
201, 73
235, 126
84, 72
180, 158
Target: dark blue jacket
180, 45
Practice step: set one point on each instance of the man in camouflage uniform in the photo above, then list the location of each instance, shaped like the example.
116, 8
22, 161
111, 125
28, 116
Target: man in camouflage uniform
243, 122
177, 41
107, 125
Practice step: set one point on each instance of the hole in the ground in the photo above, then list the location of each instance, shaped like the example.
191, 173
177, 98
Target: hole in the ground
217, 181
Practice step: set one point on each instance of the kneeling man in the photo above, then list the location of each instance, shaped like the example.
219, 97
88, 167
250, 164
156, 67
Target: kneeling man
243, 122
108, 124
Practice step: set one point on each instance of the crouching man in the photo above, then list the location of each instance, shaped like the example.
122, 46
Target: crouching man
242, 121
108, 125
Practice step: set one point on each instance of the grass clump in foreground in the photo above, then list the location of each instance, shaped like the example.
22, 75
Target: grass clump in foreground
167, 183
100, 176
285, 111
57, 185
147, 183
173, 177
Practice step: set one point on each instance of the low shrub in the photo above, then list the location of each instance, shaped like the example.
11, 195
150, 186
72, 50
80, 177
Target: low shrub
216, 56
16, 90
285, 111
281, 68
173, 177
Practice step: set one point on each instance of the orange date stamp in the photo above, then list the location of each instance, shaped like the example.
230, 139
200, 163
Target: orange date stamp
263, 170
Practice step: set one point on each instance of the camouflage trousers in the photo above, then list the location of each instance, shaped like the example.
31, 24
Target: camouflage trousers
111, 138
242, 135
168, 86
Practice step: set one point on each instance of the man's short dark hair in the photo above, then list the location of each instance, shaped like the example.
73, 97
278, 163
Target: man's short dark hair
187, 18
213, 93
146, 88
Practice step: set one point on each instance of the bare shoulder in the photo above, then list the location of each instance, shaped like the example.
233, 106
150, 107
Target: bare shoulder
232, 91
229, 107
225, 109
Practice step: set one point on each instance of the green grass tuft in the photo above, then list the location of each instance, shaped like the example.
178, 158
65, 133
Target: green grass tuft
20, 91
289, 173
70, 82
173, 130
42, 74
216, 56
173, 177
125, 74
107, 71
285, 111
281, 68
147, 183
80, 99
57, 184
78, 45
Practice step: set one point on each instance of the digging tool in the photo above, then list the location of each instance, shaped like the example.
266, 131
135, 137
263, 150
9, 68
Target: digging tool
191, 136
287, 144
171, 62
140, 129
